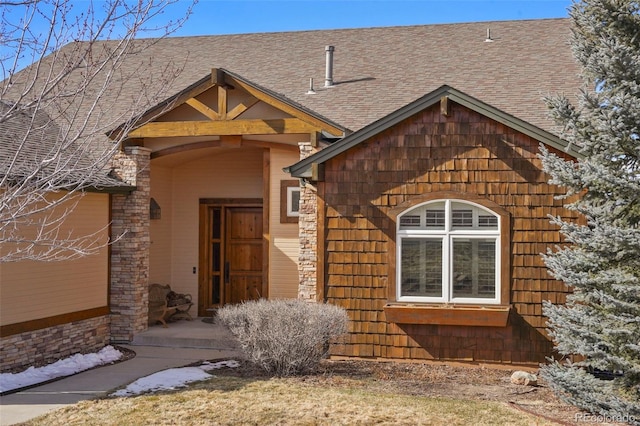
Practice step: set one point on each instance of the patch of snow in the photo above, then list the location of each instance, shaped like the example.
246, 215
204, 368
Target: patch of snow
173, 378
208, 366
64, 367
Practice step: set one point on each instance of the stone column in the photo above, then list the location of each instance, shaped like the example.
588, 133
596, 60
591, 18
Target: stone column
308, 234
129, 293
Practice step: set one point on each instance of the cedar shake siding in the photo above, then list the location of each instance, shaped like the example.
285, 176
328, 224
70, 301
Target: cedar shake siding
431, 156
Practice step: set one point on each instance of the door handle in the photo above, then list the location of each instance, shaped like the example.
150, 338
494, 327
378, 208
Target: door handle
226, 272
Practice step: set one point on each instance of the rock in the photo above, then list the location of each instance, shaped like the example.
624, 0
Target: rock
524, 378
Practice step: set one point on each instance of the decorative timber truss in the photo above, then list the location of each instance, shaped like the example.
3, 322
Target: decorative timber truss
218, 118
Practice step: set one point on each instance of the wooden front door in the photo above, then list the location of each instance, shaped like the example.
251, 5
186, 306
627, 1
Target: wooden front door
243, 266
231, 256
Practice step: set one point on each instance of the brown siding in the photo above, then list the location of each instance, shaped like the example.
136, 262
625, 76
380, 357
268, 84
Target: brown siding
465, 153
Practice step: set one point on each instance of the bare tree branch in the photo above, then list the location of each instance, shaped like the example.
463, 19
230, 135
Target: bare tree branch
55, 113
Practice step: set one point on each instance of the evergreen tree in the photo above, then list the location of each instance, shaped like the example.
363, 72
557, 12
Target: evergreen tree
599, 326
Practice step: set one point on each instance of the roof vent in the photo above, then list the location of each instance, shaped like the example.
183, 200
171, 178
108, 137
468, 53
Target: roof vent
488, 39
311, 91
328, 80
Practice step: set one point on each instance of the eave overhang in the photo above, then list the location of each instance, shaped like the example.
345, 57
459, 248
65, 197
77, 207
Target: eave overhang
97, 184
308, 167
122, 189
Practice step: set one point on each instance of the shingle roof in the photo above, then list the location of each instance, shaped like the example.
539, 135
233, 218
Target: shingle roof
379, 70
29, 141
376, 70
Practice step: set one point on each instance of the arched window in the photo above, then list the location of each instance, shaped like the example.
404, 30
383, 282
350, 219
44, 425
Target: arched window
448, 252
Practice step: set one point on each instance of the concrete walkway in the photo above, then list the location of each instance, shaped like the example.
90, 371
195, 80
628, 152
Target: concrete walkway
30, 403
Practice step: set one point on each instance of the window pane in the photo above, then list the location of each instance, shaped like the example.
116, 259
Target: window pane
421, 267
215, 231
215, 289
462, 219
435, 219
215, 257
462, 268
474, 268
486, 268
295, 201
409, 221
488, 221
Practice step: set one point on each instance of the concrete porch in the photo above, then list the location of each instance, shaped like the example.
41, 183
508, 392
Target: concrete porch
200, 333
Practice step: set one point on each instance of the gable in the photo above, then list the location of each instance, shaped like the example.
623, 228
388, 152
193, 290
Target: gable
443, 97
221, 106
429, 162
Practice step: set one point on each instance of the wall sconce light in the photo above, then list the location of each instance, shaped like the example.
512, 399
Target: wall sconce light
154, 209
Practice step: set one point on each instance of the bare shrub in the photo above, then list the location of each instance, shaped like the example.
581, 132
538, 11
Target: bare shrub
285, 337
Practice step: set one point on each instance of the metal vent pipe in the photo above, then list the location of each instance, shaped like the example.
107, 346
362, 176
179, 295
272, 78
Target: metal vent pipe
328, 80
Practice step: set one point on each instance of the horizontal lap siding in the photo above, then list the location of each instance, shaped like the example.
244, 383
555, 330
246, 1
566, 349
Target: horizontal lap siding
284, 249
467, 153
33, 290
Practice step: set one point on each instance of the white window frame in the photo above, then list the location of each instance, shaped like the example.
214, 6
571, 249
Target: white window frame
448, 235
290, 211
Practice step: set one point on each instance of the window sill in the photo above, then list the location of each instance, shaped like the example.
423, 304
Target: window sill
479, 316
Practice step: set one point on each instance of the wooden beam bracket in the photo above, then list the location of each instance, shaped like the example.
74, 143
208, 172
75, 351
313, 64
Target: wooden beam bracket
314, 139
219, 78
133, 142
203, 109
317, 172
169, 129
444, 106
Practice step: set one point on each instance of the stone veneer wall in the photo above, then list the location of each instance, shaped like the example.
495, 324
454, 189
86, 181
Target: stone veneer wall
308, 233
129, 293
50, 344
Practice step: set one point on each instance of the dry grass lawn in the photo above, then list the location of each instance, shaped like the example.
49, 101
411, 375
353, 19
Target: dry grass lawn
341, 393
235, 400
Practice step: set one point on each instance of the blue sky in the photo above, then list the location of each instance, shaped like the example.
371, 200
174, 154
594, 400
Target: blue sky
245, 16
